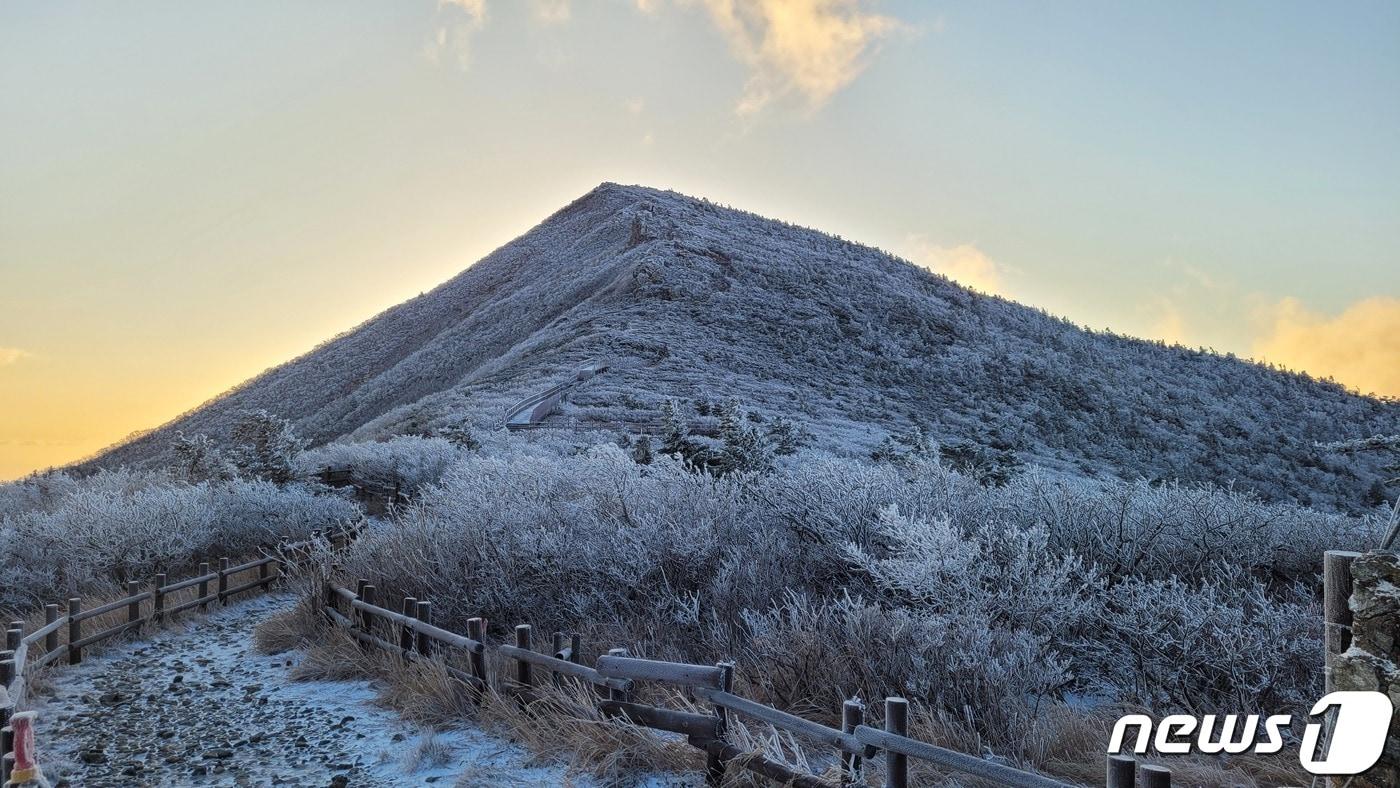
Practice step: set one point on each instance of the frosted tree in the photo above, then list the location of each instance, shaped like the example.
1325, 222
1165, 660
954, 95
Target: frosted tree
986, 464
786, 436
641, 451
265, 447
675, 437
743, 447
196, 458
905, 448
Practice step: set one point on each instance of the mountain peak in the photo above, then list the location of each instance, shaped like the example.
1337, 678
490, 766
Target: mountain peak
691, 301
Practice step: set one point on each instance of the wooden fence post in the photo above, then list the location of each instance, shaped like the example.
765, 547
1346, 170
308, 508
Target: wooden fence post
1122, 772
896, 722
425, 614
715, 765
13, 635
557, 647
406, 634
1156, 777
7, 745
133, 609
7, 668
1336, 607
366, 617
617, 694
359, 615
476, 630
265, 574
51, 639
157, 602
203, 586
852, 716
576, 648
75, 630
223, 580
522, 668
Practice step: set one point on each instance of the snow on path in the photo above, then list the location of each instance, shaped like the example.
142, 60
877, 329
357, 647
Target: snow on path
201, 707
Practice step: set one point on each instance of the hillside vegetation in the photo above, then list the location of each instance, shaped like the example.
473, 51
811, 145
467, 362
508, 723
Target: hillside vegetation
1021, 618
686, 299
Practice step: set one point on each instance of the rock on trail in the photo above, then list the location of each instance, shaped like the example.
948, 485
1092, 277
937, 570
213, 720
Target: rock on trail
201, 707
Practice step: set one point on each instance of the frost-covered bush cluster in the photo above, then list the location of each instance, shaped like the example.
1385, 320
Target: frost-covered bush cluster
828, 577
60, 535
405, 462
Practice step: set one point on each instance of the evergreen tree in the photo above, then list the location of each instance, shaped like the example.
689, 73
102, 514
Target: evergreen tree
265, 446
987, 464
786, 436
675, 435
641, 451
743, 447
905, 448
198, 459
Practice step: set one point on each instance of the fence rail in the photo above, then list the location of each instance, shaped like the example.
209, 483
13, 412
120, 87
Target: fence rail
19, 659
615, 674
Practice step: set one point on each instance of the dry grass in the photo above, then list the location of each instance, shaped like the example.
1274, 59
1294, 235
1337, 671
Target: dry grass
429, 753
557, 724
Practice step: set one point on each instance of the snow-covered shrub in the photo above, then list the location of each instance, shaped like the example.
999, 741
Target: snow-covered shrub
405, 462
1225, 643
118, 526
1004, 575
826, 577
807, 653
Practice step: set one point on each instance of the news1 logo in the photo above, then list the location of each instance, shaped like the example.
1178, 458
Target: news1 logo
1356, 739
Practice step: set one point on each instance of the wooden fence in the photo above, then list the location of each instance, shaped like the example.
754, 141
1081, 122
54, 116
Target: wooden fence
26, 653
411, 634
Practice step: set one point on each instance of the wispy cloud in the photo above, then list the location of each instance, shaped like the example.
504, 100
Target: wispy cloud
1359, 347
13, 355
807, 48
460, 21
963, 263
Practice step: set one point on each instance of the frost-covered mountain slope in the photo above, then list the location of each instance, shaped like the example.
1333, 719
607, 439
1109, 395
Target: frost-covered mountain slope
686, 299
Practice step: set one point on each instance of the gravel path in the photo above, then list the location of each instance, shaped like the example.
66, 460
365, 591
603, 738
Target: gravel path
202, 707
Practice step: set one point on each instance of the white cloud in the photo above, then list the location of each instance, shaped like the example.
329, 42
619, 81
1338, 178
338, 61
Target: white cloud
1359, 347
461, 20
807, 48
13, 355
963, 263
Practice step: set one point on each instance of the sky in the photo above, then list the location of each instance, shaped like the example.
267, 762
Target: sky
193, 192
